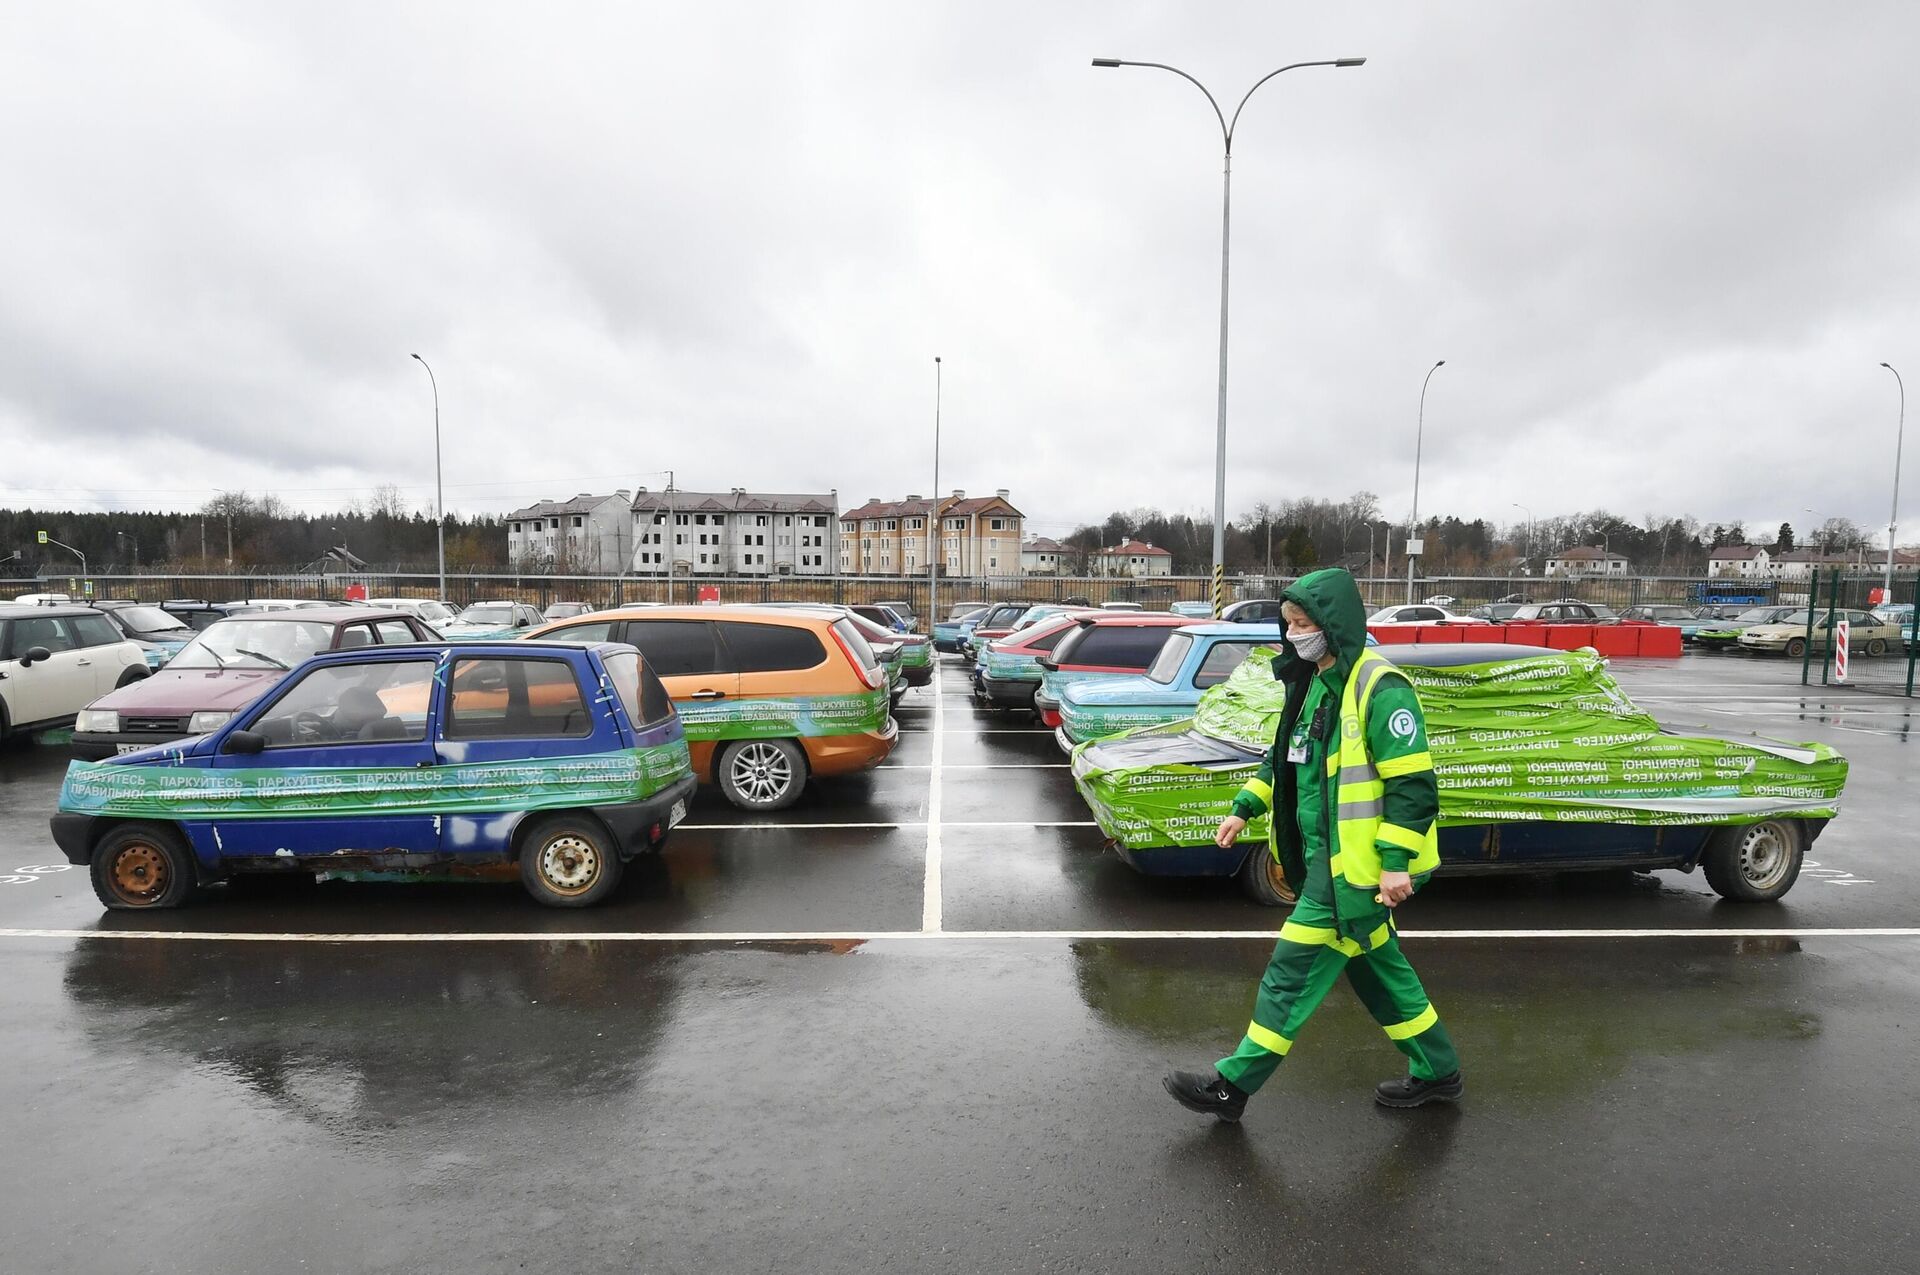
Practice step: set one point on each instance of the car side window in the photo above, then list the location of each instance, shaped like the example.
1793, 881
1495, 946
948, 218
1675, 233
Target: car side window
676, 648
50, 631
383, 702
770, 648
596, 631
1860, 618
94, 630
516, 697
392, 631
1220, 662
354, 635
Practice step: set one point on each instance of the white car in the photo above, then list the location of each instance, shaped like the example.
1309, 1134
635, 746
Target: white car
426, 609
55, 660
500, 619
284, 604
1419, 613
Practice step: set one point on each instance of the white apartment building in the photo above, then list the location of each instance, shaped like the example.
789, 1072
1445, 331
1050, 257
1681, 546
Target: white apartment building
1587, 561
1739, 562
1043, 557
587, 534
1133, 558
733, 533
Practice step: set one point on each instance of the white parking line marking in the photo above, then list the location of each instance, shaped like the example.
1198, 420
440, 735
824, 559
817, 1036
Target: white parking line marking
904, 823
970, 765
930, 900
860, 936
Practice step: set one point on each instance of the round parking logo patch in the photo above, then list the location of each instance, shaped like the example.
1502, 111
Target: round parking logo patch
1403, 725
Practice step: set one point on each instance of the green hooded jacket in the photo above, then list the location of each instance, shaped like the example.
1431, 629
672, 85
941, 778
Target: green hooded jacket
1332, 600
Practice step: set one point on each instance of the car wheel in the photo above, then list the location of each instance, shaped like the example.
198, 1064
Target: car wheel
567, 861
1755, 862
1796, 647
1261, 877
131, 674
763, 774
142, 865
1878, 646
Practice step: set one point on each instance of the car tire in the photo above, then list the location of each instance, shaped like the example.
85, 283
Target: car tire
1796, 647
142, 866
1878, 646
762, 774
568, 861
1264, 882
132, 673
1755, 862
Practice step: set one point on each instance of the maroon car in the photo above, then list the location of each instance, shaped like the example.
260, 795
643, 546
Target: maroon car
228, 666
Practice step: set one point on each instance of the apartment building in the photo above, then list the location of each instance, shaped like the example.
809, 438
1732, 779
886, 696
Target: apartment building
733, 533
975, 536
1133, 558
585, 534
1040, 556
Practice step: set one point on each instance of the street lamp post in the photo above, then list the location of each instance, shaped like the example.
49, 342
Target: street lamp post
1419, 437
128, 535
439, 495
933, 509
1899, 443
1226, 225
1527, 554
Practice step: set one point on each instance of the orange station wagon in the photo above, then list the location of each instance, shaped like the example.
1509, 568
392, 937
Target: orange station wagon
768, 696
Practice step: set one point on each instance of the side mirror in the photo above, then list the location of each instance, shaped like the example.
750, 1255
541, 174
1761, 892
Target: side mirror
33, 655
1047, 662
244, 742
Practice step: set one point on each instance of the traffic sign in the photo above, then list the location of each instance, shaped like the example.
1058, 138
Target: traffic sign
43, 537
1415, 548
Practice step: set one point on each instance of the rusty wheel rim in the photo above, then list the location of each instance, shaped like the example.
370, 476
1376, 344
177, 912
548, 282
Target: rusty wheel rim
1277, 878
570, 865
139, 873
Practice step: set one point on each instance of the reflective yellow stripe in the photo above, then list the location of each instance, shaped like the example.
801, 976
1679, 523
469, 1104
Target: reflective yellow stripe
1306, 935
1271, 1041
1333, 865
1413, 1026
1259, 788
1371, 809
1411, 764
1400, 838
1364, 773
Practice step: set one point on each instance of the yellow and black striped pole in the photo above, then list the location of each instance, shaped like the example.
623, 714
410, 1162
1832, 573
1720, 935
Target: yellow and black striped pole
1219, 589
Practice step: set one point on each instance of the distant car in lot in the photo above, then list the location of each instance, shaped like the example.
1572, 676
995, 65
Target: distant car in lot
1496, 612
431, 610
225, 668
1009, 670
1105, 645
199, 614
1121, 606
159, 633
1566, 611
488, 620
996, 623
564, 610
1194, 610
57, 659
1419, 613
1191, 660
947, 633
1253, 611
286, 604
770, 697
904, 610
1442, 600
564, 762
1726, 633
1789, 634
884, 616
1673, 617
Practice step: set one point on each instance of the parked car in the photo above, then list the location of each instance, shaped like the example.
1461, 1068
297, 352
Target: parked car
286, 604
1419, 613
1674, 617
1193, 610
430, 610
996, 623
199, 614
1789, 635
947, 634
45, 599
1253, 611
1121, 606
1727, 633
564, 762
906, 658
1105, 644
159, 634
902, 609
1192, 661
1577, 777
564, 610
1566, 611
224, 669
1442, 600
485, 621
1009, 669
884, 616
770, 697
1496, 612
57, 659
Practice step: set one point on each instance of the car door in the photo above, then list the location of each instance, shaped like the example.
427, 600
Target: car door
58, 686
686, 656
97, 642
770, 660
324, 729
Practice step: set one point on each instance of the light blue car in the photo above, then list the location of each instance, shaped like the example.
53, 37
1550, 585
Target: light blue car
1094, 705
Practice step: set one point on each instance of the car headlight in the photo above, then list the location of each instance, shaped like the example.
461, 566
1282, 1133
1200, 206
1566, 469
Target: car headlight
201, 723
97, 720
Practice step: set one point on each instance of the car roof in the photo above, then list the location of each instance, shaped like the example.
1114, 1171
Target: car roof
323, 615
1139, 619
1231, 629
501, 647
17, 610
817, 612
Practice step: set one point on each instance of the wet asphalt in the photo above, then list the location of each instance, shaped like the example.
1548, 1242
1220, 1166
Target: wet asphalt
379, 1077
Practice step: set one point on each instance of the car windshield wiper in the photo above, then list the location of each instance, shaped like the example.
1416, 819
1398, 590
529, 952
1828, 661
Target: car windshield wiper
210, 651
241, 650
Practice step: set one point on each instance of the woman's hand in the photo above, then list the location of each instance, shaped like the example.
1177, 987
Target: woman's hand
1395, 888
1230, 829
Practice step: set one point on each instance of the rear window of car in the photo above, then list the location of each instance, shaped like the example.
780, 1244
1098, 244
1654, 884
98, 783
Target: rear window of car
1166, 665
1002, 617
645, 699
516, 697
1220, 663
1129, 646
676, 648
770, 648
849, 633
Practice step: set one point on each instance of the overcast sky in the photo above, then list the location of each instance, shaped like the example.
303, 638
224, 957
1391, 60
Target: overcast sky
1663, 248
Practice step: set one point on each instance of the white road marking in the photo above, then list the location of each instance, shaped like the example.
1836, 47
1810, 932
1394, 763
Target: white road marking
930, 900
859, 936
903, 823
970, 765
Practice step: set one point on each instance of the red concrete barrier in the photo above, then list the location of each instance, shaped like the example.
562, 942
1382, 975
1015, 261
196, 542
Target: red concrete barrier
1394, 634
1486, 633
1617, 639
1527, 634
1569, 637
1662, 641
1429, 633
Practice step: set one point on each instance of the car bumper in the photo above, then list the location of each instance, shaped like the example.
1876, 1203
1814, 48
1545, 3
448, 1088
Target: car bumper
643, 825
850, 754
74, 835
919, 674
1009, 693
97, 745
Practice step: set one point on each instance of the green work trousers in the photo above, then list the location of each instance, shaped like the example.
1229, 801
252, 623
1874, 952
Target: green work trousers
1306, 961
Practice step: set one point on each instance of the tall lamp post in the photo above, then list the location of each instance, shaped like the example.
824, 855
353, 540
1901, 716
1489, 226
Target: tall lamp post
128, 535
933, 509
1419, 437
439, 497
1899, 443
1226, 224
1527, 554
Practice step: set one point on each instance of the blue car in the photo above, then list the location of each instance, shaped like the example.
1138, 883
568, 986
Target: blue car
563, 761
1191, 661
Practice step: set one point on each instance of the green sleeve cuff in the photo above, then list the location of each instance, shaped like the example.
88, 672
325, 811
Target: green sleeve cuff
1394, 859
1247, 806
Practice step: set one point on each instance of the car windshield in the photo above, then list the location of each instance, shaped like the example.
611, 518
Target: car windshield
1757, 615
254, 644
488, 613
1796, 618
151, 620
432, 612
1166, 665
964, 611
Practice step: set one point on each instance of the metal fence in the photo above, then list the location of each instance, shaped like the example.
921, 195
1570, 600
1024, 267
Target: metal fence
1885, 663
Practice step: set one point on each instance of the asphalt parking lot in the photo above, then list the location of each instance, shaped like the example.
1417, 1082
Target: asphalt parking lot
921, 1019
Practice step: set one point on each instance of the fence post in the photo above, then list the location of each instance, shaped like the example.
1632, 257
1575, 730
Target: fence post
1913, 631
1806, 648
1833, 610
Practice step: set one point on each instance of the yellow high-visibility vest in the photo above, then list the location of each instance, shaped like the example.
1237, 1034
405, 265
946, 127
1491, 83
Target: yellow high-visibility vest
1361, 790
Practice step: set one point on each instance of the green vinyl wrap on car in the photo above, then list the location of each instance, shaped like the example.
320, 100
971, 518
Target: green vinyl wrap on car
916, 655
1548, 738
1096, 721
1011, 666
784, 717
539, 783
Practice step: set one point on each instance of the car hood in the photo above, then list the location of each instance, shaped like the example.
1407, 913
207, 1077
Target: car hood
180, 692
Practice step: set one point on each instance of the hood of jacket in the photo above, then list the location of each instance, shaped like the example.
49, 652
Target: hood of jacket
1332, 599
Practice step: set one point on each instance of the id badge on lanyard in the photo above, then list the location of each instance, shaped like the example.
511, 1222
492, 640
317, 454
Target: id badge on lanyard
1316, 729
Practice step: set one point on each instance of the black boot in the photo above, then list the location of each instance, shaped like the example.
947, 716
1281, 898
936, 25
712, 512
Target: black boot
1210, 1095
1411, 1091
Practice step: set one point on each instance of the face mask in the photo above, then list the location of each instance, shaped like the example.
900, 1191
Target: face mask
1310, 647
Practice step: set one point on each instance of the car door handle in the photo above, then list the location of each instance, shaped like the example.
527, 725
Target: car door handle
84, 663
709, 695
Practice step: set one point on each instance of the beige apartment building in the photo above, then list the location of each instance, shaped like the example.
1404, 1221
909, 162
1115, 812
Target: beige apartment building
976, 536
